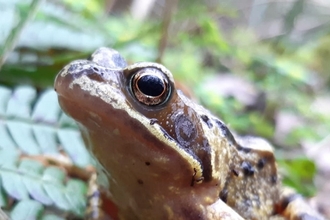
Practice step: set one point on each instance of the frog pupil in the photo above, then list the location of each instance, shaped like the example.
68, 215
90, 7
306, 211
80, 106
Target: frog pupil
151, 85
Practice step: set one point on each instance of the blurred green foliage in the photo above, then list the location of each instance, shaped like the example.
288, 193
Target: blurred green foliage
206, 39
299, 174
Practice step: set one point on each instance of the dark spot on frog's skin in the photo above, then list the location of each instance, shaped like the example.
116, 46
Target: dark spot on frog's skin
223, 195
248, 169
261, 163
207, 121
273, 179
243, 149
140, 182
153, 121
235, 172
148, 163
226, 132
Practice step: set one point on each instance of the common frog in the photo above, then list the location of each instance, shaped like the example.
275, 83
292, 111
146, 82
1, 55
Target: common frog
165, 156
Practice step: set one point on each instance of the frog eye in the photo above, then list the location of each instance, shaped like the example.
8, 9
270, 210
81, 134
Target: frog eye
150, 86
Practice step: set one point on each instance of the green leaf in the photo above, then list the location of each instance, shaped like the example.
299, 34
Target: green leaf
34, 184
46, 138
46, 185
22, 133
76, 191
66, 121
19, 104
8, 156
37, 129
54, 179
51, 217
26, 210
74, 146
299, 174
3, 196
67, 197
4, 97
12, 182
46, 108
33, 124
6, 143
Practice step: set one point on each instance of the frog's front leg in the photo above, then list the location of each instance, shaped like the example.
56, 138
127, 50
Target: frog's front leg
97, 210
294, 207
99, 207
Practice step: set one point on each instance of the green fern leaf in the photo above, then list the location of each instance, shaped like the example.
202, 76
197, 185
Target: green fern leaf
20, 102
32, 128
54, 179
23, 135
12, 182
26, 209
46, 138
3, 197
75, 191
51, 217
74, 146
34, 184
4, 97
46, 109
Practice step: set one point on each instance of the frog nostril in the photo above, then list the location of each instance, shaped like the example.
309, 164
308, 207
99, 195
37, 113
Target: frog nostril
95, 69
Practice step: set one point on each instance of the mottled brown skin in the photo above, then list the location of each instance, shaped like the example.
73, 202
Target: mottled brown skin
172, 160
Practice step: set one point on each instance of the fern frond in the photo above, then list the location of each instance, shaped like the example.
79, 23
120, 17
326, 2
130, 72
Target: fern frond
40, 151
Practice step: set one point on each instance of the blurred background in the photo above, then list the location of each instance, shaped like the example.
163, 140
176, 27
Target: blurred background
262, 66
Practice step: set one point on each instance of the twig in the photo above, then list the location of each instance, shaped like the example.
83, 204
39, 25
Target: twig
167, 17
